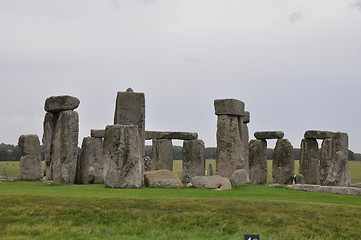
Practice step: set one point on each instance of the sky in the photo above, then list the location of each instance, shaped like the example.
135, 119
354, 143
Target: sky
296, 64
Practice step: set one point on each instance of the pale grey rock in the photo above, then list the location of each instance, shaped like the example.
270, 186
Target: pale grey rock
356, 185
64, 148
162, 154
232, 107
162, 178
283, 162
216, 182
258, 161
239, 178
229, 147
147, 163
315, 134
48, 133
326, 189
244, 134
82, 167
210, 170
310, 161
246, 118
193, 159
123, 160
269, 135
30, 161
57, 104
97, 133
325, 159
149, 135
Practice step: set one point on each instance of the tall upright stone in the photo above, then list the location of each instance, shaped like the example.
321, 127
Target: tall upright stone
193, 159
82, 167
30, 162
162, 154
325, 159
123, 160
283, 162
310, 161
244, 133
258, 161
60, 138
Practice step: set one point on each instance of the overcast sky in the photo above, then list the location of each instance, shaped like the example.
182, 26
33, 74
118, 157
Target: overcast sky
296, 64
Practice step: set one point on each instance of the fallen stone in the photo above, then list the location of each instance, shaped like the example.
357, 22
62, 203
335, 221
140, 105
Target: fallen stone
356, 185
149, 135
97, 133
193, 159
216, 182
123, 160
232, 107
326, 189
258, 161
239, 177
269, 135
315, 134
57, 104
162, 178
30, 162
283, 162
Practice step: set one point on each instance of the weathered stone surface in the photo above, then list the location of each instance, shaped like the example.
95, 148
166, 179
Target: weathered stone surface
232, 107
229, 155
162, 178
239, 177
149, 135
193, 159
123, 160
246, 118
147, 163
162, 154
356, 185
244, 133
298, 179
210, 170
216, 182
283, 162
310, 161
339, 172
326, 189
258, 161
325, 159
82, 167
64, 149
48, 132
315, 134
57, 104
30, 162
97, 133
269, 135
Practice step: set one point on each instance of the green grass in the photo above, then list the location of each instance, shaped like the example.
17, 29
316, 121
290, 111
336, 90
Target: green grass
31, 210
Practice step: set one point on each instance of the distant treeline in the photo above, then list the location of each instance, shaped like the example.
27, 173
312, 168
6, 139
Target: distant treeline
10, 152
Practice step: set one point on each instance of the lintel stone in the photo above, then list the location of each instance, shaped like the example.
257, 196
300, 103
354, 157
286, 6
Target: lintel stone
315, 134
246, 118
61, 103
269, 135
97, 133
229, 107
149, 135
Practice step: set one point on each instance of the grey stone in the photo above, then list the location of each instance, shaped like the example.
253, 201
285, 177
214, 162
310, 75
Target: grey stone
229, 155
30, 161
232, 107
162, 154
162, 178
239, 177
246, 118
210, 170
48, 133
216, 182
283, 162
57, 104
123, 160
258, 161
315, 134
244, 134
325, 159
326, 189
356, 185
97, 133
298, 179
64, 148
269, 135
82, 167
310, 162
149, 135
147, 163
193, 159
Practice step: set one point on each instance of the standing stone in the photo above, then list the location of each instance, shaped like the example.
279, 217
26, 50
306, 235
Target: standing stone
339, 173
309, 162
64, 151
229, 157
82, 167
193, 159
283, 162
30, 162
210, 170
49, 127
123, 160
325, 159
244, 133
258, 161
162, 154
